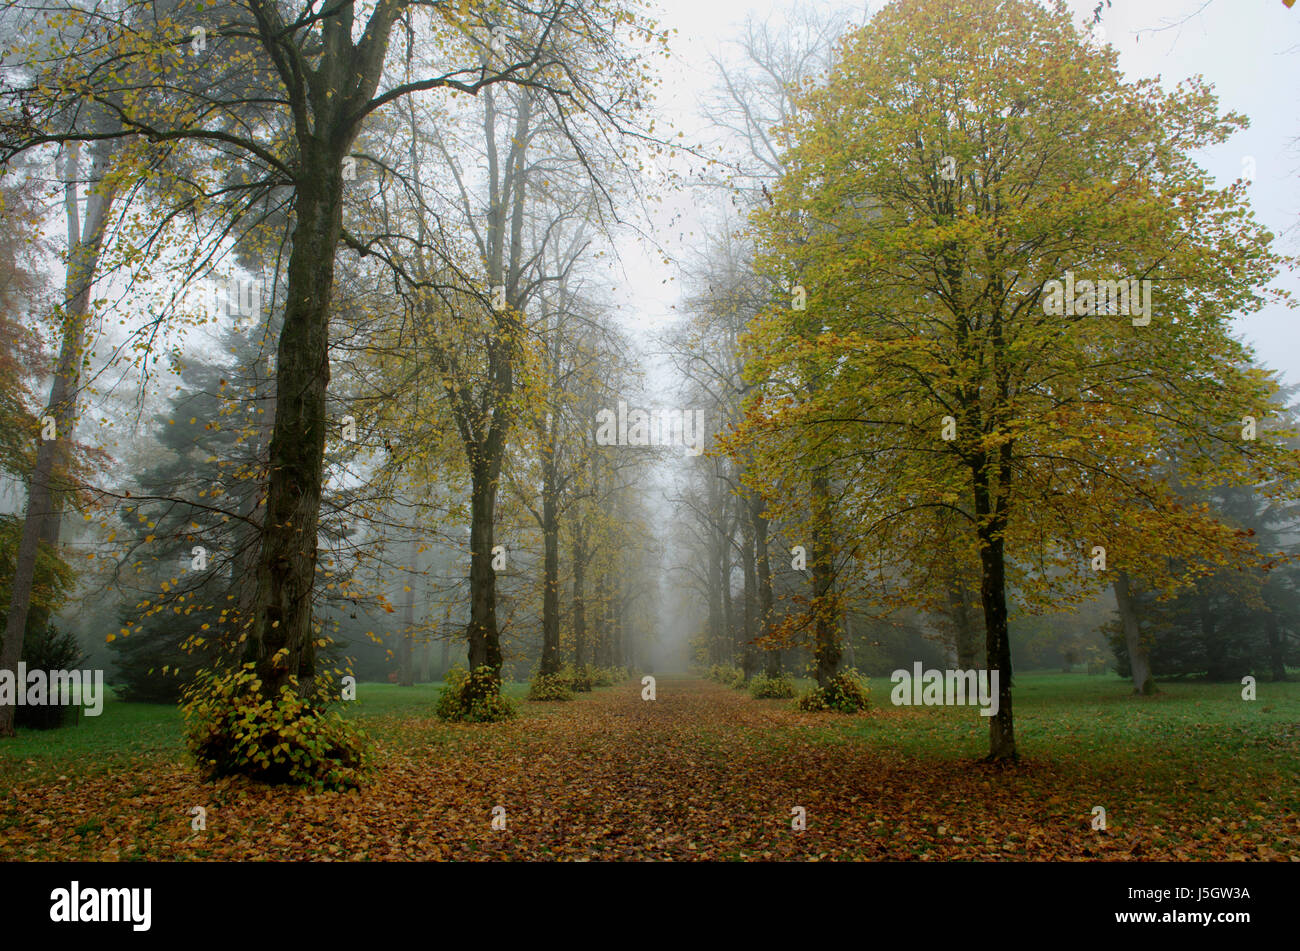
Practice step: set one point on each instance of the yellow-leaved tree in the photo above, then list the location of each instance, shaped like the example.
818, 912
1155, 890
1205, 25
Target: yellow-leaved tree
1019, 296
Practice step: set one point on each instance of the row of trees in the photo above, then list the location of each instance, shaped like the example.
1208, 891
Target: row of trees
421, 196
912, 407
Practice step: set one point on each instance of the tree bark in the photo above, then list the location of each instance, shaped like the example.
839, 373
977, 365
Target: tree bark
1276, 652
280, 640
43, 518
600, 649
763, 568
966, 634
1138, 654
749, 653
579, 605
850, 655
728, 609
715, 579
550, 663
482, 631
826, 631
990, 513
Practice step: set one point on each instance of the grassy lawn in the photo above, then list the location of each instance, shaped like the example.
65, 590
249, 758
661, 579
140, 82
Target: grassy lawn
128, 731
1094, 717
1185, 756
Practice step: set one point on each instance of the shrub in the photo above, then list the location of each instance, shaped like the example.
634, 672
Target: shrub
845, 693
578, 678
473, 697
727, 676
232, 728
763, 687
550, 687
607, 676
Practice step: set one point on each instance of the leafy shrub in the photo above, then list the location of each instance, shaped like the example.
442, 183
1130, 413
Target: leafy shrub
763, 687
727, 676
232, 728
473, 697
578, 678
550, 687
845, 693
607, 676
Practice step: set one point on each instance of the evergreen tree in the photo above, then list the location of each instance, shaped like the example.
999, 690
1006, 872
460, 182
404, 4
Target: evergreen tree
194, 524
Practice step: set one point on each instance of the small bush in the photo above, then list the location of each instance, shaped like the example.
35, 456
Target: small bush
231, 728
578, 678
763, 687
727, 676
846, 693
550, 687
473, 697
607, 676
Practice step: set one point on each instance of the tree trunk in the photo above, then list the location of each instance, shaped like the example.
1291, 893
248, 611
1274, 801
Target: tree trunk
715, 582
1276, 652
579, 606
619, 658
763, 568
550, 663
280, 638
1216, 668
749, 653
728, 608
849, 655
406, 650
483, 634
43, 518
991, 518
1138, 654
600, 649
827, 636
966, 633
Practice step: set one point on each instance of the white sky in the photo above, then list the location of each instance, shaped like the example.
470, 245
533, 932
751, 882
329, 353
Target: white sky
1248, 49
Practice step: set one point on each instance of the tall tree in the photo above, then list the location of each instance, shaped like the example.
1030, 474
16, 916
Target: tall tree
47, 486
960, 158
326, 67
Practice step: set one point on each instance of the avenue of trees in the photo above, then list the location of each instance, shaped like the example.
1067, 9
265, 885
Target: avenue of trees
946, 444
961, 324
395, 214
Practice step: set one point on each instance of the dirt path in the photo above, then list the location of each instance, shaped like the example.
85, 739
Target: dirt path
701, 772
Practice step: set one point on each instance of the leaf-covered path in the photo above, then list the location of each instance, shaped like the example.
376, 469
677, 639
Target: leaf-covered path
703, 771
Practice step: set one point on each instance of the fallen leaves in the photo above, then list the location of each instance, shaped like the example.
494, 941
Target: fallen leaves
703, 772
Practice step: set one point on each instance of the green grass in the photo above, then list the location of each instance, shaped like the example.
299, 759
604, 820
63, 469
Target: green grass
127, 731
1089, 717
1092, 717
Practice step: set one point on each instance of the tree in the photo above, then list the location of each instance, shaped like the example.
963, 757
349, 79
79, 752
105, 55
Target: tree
325, 68
960, 158
191, 524
48, 483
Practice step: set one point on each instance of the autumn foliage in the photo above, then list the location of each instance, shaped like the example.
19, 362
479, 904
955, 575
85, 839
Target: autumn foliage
232, 727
